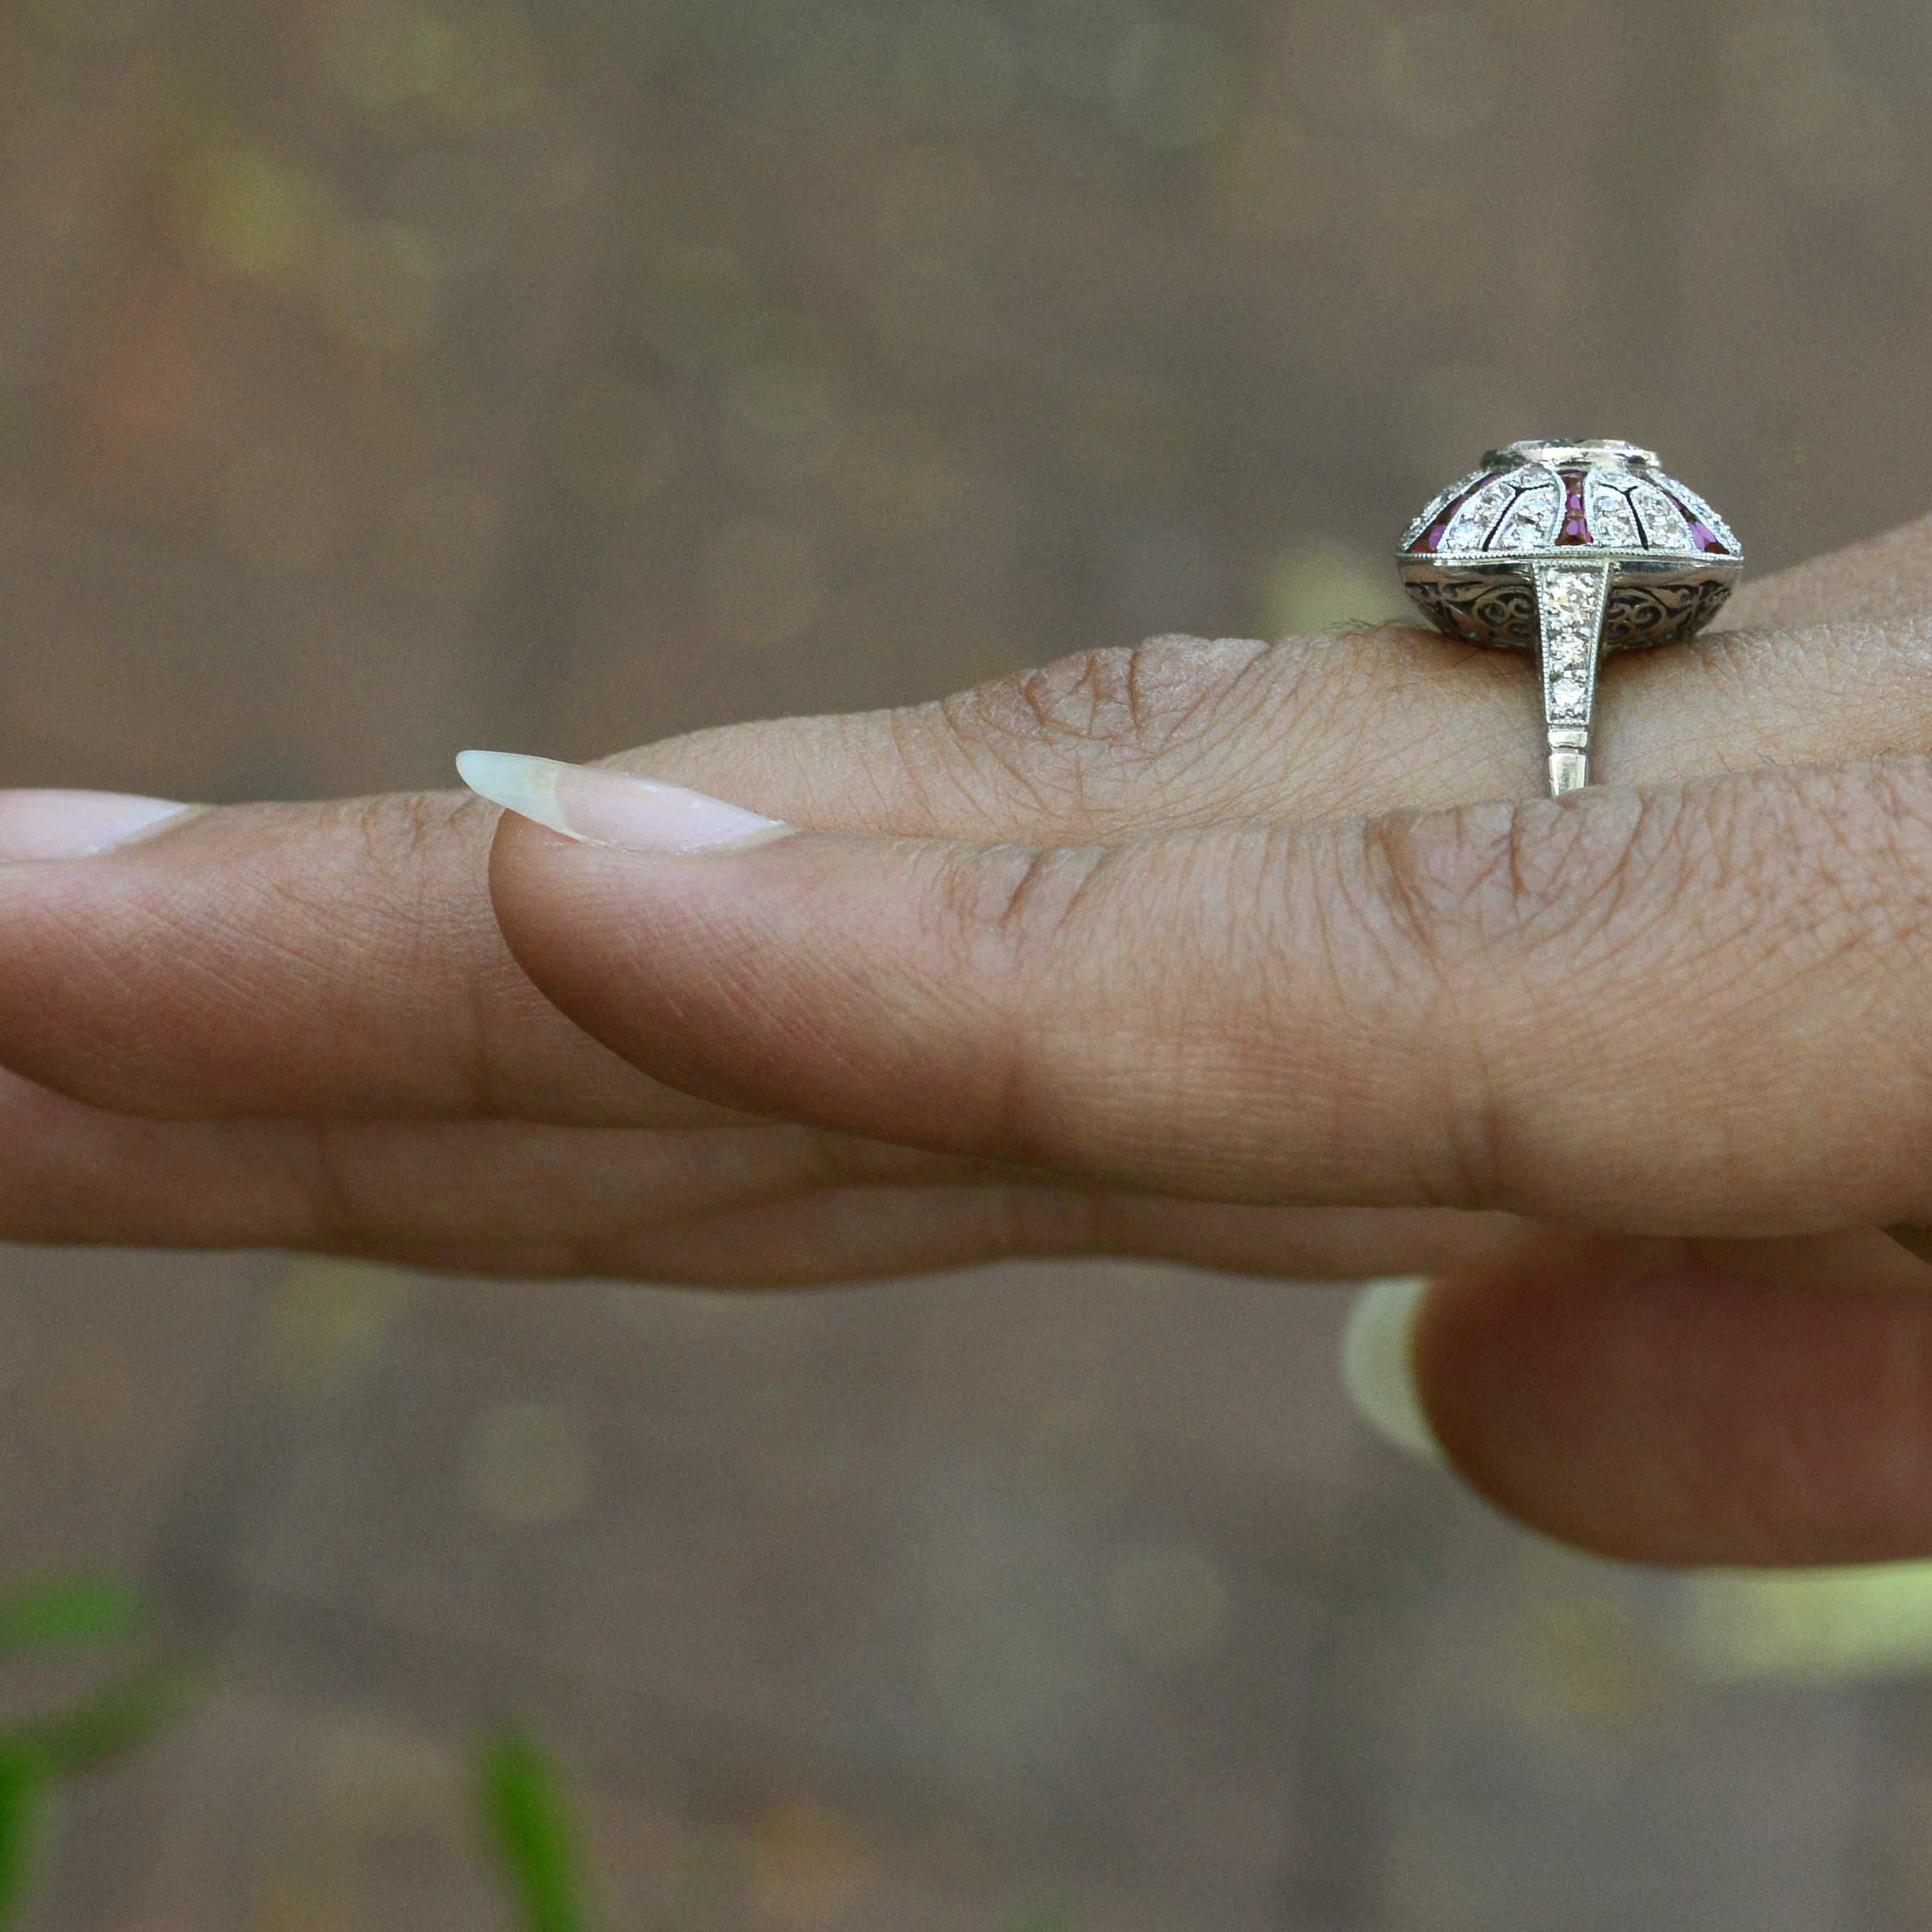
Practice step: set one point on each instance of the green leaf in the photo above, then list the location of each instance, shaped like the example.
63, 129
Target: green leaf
121, 1717
533, 1832
70, 1610
23, 1826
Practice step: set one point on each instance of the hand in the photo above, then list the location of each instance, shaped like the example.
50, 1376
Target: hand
1161, 961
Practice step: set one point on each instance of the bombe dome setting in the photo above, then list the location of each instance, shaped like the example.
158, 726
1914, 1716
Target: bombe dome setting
1467, 560
1542, 496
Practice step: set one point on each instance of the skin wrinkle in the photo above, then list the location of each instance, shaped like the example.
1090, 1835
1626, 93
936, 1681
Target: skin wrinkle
1138, 714
1190, 695
1098, 703
1460, 1163
1081, 697
1185, 768
1619, 878
1008, 751
1334, 886
1026, 910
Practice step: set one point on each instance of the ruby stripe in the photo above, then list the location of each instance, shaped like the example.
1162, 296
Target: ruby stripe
1701, 534
1430, 540
1576, 519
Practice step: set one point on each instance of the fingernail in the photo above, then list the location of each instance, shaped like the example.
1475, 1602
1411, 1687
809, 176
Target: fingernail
1378, 1364
77, 824
603, 807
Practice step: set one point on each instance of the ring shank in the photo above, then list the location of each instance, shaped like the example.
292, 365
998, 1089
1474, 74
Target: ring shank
1571, 600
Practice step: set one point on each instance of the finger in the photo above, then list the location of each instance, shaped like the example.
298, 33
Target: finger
1697, 1010
280, 960
404, 1190
1880, 579
1735, 1404
842, 1235
763, 1206
1180, 731
772, 1207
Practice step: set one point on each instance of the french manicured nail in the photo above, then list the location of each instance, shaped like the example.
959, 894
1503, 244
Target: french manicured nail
1379, 1364
77, 825
603, 807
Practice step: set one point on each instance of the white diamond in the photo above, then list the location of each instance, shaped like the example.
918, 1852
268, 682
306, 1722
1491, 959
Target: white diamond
1533, 476
1664, 527
1703, 513
1531, 522
1471, 525
1569, 598
1437, 505
1566, 694
1611, 520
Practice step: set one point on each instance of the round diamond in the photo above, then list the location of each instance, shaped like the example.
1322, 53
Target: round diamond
1469, 528
1610, 515
1664, 524
1530, 523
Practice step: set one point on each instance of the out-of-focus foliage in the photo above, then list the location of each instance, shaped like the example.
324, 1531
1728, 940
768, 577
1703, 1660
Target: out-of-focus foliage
69, 1610
23, 1805
534, 1831
36, 1753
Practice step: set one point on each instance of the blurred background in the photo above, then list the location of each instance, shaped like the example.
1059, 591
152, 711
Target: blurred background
378, 377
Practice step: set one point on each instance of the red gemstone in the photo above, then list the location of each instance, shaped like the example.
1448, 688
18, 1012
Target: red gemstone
1576, 524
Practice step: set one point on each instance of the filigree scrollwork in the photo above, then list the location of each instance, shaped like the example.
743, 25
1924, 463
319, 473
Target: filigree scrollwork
1478, 610
1487, 610
1661, 613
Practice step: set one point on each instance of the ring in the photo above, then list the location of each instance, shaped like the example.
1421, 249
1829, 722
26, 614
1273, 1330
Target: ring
1570, 549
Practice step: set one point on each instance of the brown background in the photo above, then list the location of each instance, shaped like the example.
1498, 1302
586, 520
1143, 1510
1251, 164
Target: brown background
382, 376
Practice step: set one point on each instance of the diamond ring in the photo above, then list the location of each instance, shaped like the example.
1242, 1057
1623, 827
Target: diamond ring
1569, 549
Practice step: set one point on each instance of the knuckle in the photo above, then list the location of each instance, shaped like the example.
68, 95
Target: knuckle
398, 830
1497, 884
1480, 915
390, 892
1016, 901
1002, 942
1514, 927
1131, 705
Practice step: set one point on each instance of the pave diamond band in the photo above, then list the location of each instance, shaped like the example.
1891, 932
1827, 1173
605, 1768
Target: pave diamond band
1569, 600
1569, 549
